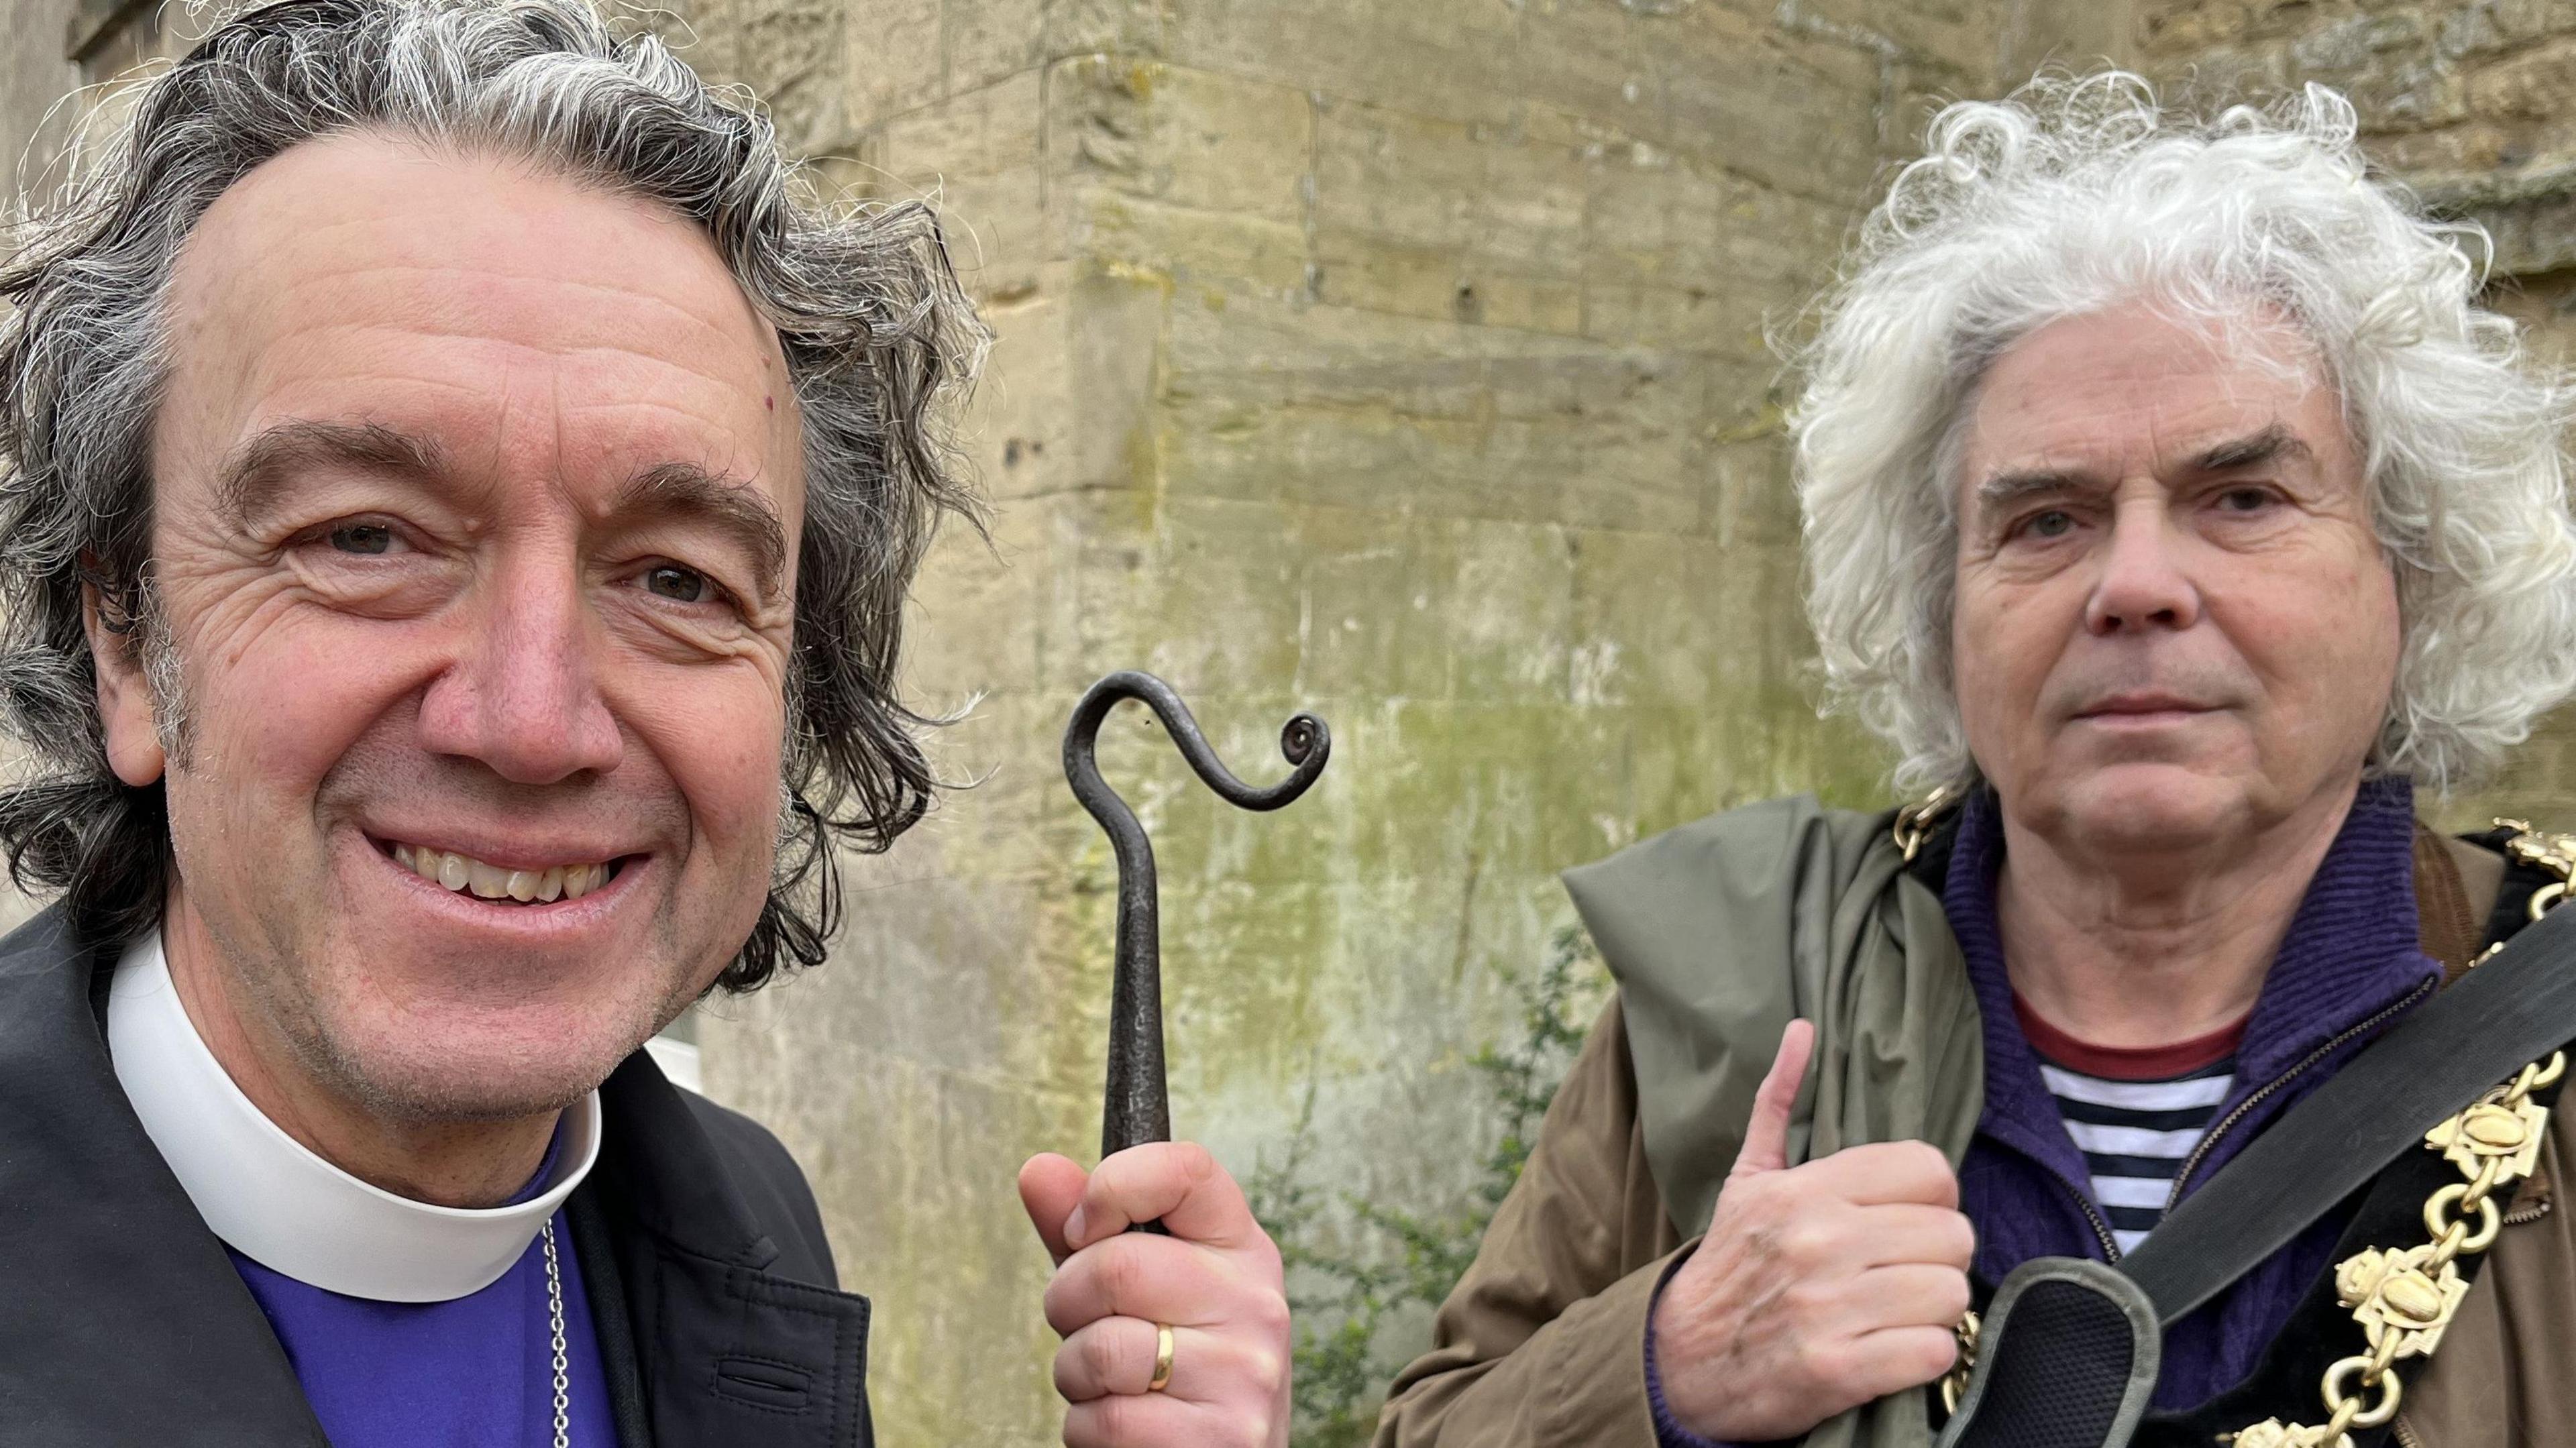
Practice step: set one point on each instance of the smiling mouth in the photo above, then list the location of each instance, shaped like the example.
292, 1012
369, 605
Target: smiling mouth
466, 875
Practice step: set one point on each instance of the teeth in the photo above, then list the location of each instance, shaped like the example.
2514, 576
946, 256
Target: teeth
491, 882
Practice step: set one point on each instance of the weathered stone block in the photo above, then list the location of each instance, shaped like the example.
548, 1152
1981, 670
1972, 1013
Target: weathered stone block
1958, 34
913, 1164
2531, 86
983, 41
1186, 138
1458, 59
1067, 403
1797, 112
1223, 251
2191, 25
2487, 27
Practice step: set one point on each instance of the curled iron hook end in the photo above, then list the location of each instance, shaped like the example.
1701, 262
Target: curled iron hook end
1137, 1106
1304, 736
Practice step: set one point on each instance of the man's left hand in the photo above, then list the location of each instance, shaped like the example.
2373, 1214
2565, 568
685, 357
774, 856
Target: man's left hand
1215, 1282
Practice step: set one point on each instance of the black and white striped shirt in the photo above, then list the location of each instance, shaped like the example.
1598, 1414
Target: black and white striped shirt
2135, 1135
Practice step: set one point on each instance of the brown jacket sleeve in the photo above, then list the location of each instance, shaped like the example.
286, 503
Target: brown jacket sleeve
1543, 1341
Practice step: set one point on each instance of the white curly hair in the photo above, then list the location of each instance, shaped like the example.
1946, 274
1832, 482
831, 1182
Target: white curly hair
2079, 194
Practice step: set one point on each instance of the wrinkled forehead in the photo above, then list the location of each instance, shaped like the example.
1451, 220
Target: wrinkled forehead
526, 322
2146, 387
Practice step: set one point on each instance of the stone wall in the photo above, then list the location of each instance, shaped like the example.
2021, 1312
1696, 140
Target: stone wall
1402, 361
33, 79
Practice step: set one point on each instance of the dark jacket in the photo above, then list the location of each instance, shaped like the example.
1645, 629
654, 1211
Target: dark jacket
122, 1322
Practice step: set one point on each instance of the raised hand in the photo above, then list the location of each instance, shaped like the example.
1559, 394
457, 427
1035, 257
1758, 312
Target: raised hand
1214, 1282
1818, 1287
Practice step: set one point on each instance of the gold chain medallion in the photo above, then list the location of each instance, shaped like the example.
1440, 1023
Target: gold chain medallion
2403, 1299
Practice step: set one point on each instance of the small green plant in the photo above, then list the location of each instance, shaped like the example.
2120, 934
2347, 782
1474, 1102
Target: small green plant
1401, 1265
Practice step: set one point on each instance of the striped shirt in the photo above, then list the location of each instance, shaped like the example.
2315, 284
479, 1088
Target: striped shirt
2136, 1112
2135, 1135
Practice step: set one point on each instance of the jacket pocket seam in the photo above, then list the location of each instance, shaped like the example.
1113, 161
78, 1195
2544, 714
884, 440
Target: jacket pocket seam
716, 1382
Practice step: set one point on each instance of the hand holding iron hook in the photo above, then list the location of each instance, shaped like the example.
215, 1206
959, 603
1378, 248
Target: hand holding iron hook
1169, 1295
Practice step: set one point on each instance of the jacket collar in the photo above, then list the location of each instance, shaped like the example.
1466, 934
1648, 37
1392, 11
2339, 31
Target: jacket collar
658, 1164
126, 1322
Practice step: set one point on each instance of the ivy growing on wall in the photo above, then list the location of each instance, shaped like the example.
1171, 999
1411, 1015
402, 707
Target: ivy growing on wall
1360, 1305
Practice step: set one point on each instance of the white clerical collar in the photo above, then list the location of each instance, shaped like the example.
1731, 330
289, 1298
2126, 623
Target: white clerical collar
282, 1206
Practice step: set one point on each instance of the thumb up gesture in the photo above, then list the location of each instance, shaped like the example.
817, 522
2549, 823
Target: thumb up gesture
1818, 1287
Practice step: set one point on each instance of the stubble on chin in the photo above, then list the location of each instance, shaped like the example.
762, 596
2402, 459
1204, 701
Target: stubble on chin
363, 1052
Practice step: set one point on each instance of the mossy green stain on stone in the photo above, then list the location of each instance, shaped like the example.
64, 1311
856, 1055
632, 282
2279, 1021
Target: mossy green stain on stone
1535, 559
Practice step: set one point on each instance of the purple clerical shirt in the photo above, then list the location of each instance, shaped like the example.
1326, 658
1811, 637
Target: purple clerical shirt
475, 1372
2349, 967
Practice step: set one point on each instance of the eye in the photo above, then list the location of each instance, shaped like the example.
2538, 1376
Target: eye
2054, 523
366, 539
2245, 500
681, 585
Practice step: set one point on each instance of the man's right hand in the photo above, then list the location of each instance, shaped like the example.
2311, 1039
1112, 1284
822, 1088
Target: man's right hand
1819, 1287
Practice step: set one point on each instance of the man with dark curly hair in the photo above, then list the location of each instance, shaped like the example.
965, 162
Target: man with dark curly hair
459, 497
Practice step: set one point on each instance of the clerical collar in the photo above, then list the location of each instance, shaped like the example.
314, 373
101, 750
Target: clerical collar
281, 1205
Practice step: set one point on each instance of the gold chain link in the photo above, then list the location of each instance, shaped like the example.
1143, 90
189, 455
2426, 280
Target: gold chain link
2404, 1299
2551, 852
1954, 1385
1914, 822
2407, 1297
1914, 825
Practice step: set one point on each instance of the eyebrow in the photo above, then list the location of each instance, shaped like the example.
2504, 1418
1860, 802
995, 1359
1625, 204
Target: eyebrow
2273, 444
258, 472
687, 491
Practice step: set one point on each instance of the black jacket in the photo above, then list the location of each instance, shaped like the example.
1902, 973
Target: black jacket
123, 1323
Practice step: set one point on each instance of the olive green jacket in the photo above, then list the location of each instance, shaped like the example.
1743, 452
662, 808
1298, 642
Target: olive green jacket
1542, 1342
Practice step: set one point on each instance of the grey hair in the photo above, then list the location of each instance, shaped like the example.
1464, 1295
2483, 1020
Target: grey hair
2080, 194
879, 339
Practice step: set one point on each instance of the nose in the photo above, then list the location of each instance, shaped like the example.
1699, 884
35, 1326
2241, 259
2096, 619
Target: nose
522, 694
2143, 583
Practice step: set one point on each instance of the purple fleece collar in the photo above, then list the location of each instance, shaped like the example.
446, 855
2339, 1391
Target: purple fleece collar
2351, 952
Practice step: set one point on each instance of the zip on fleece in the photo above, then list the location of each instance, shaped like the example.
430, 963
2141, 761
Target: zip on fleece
2200, 1153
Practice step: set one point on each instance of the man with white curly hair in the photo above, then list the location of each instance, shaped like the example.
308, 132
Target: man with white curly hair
2176, 513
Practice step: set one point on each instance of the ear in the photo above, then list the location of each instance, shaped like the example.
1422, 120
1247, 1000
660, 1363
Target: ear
124, 697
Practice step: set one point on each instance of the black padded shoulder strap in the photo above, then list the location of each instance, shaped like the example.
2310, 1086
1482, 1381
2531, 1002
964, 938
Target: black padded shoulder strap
2515, 1008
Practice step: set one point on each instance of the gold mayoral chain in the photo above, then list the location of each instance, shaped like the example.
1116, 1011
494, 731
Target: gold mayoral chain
1912, 830
2404, 1298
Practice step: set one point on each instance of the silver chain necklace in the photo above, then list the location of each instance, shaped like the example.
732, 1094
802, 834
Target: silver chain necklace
555, 1318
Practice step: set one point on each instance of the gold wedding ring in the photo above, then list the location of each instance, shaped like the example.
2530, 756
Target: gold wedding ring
1162, 1358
